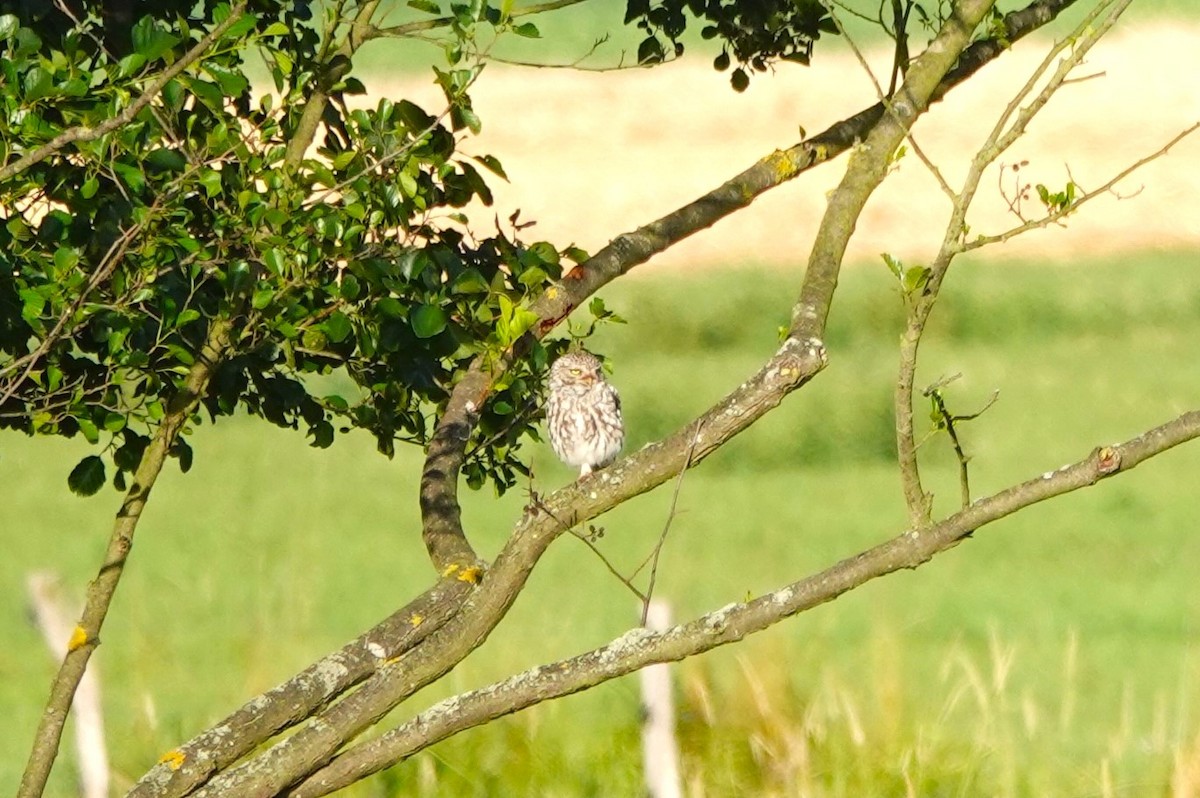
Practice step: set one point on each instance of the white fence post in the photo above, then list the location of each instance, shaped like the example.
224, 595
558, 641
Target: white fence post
54, 621
660, 752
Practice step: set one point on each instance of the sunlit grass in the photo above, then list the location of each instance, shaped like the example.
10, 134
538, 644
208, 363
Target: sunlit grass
1052, 654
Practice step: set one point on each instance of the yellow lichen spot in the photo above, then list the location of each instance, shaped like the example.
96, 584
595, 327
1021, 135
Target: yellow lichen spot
552, 292
173, 759
416, 620
820, 153
471, 574
450, 569
78, 638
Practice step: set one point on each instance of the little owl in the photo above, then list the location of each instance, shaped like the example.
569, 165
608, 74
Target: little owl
583, 413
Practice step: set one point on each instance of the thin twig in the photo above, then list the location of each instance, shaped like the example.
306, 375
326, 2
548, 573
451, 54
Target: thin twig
886, 100
948, 420
1054, 216
535, 501
662, 538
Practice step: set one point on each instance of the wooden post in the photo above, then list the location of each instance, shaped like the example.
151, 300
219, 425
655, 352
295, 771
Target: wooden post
660, 752
54, 621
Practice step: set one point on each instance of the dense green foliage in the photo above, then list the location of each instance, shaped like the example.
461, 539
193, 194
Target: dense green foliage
120, 252
937, 675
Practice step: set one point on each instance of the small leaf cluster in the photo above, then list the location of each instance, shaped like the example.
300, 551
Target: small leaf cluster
1057, 202
354, 262
912, 279
754, 34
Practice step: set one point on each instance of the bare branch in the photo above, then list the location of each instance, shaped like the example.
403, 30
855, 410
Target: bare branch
662, 538
920, 301
411, 28
1057, 214
127, 114
641, 647
947, 420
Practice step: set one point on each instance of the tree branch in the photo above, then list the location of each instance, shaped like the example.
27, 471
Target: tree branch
641, 647
81, 133
441, 516
86, 636
333, 70
183, 769
919, 301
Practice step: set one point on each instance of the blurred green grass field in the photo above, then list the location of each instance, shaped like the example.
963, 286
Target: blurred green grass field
1057, 653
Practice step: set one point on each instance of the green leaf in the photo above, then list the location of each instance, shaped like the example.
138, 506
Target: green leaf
130, 64
89, 188
262, 298
114, 422
337, 327
528, 30
89, 430
38, 83
87, 477
8, 26
427, 321
428, 6
187, 317
241, 27
470, 281
166, 160
493, 165
132, 176
65, 258
183, 451
274, 260
276, 29
739, 80
650, 51
211, 180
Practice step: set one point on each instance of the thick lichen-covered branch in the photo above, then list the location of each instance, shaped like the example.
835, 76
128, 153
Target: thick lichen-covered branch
191, 764
641, 647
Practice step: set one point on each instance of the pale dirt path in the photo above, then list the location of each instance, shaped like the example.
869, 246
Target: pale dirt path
591, 155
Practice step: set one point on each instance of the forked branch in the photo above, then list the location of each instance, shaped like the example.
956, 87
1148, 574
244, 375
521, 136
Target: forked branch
641, 647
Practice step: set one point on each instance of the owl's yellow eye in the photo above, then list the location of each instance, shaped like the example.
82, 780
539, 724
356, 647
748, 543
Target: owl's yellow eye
576, 372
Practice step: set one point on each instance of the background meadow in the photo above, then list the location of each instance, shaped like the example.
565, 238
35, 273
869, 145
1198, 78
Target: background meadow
1056, 653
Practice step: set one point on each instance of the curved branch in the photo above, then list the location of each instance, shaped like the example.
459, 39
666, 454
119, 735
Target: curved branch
641, 647
86, 636
127, 114
440, 513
